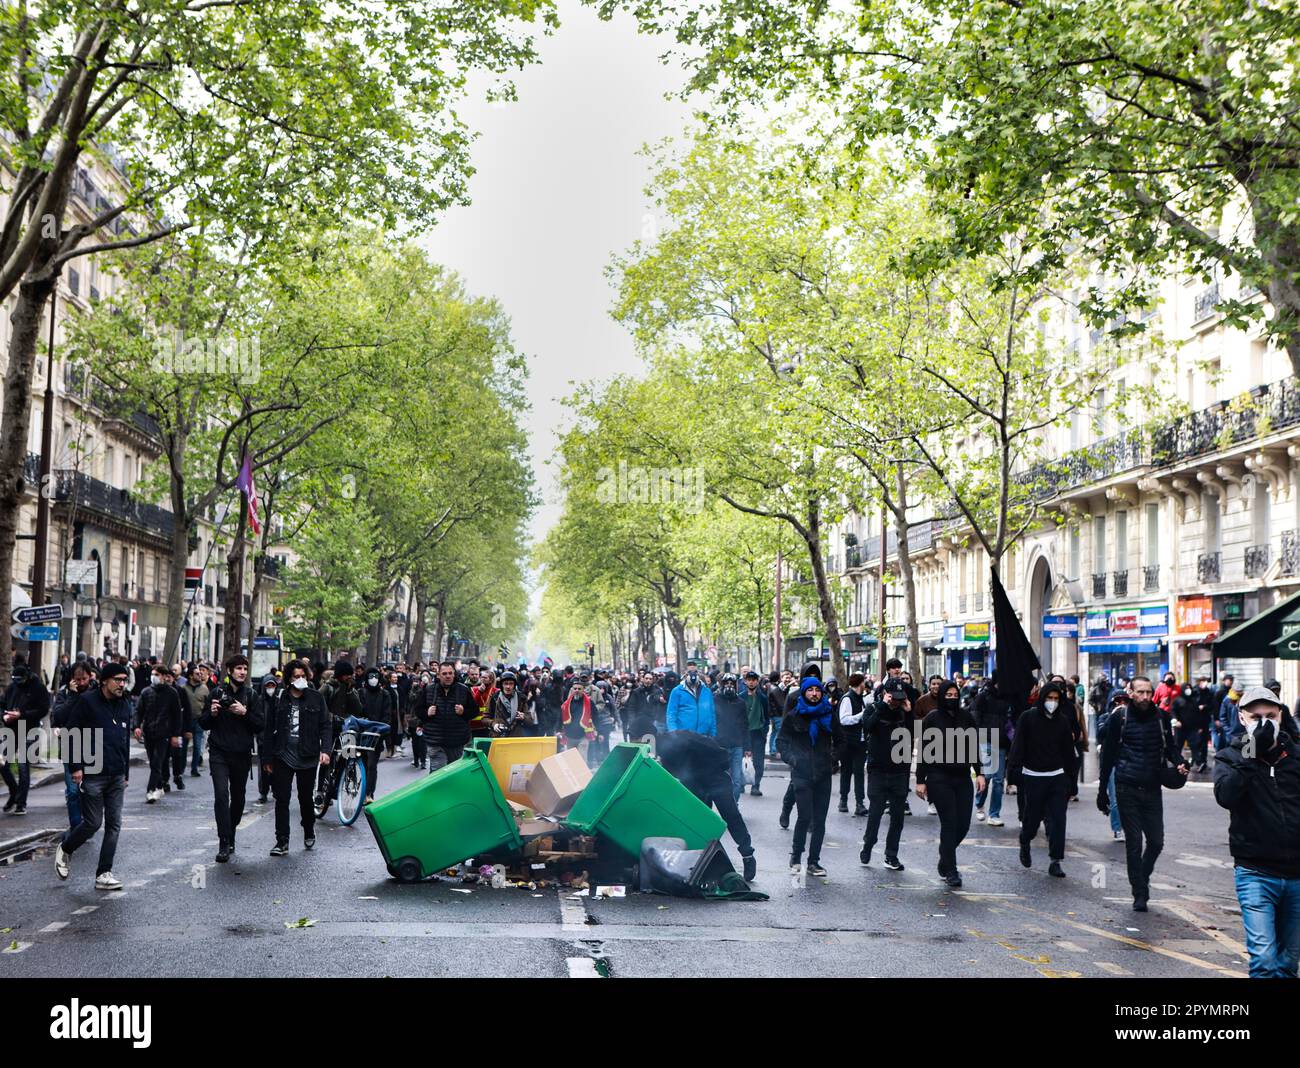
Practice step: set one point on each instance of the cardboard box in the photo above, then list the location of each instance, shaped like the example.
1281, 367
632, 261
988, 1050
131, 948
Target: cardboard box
557, 781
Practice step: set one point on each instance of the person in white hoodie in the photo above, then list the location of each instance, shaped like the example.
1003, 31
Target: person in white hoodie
853, 748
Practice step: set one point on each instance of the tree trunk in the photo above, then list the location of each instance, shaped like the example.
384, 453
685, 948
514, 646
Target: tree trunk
678, 629
376, 640
825, 597
906, 574
233, 606
415, 647
406, 626
644, 637
441, 624
26, 325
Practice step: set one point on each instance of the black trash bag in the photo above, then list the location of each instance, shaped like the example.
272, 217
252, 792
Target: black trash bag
668, 867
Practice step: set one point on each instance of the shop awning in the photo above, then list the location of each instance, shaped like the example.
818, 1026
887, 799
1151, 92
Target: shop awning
1196, 638
1253, 640
1116, 645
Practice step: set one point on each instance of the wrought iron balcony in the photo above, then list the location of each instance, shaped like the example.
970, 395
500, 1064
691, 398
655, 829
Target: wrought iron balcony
1257, 560
1290, 563
1099, 584
271, 567
1207, 567
1206, 299
1151, 578
853, 556
1120, 582
90, 494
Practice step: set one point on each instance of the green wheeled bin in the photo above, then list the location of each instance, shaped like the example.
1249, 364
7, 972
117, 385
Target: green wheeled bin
442, 819
631, 797
481, 744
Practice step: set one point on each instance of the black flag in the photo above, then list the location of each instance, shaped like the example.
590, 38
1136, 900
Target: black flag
1017, 662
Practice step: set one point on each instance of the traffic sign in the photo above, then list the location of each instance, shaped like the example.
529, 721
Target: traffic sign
41, 613
35, 634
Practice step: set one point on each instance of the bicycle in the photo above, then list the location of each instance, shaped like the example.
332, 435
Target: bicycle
344, 778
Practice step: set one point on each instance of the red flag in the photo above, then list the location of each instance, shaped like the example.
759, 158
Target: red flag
246, 485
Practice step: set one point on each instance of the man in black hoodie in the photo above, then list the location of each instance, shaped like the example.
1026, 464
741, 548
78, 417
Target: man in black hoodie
26, 701
947, 755
1257, 779
1042, 763
158, 722
886, 727
233, 719
1135, 743
99, 725
296, 739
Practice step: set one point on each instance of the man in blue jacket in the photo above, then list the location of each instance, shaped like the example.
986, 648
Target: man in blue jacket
100, 725
690, 706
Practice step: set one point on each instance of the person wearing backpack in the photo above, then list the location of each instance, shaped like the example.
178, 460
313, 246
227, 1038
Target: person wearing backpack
1136, 744
1257, 779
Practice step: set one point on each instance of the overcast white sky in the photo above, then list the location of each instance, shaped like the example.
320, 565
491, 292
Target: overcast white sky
559, 190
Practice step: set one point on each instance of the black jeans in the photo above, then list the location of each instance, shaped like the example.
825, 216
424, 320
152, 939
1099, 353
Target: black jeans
1142, 815
720, 794
1046, 797
953, 796
1197, 740
178, 759
160, 759
757, 749
229, 783
282, 780
852, 766
885, 788
19, 786
101, 804
813, 798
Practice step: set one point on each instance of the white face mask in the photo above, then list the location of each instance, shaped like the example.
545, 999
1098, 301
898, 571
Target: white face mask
299, 683
1051, 706
372, 682
156, 679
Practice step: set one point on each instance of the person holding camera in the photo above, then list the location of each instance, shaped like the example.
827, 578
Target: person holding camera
233, 719
158, 724
513, 713
885, 725
1257, 779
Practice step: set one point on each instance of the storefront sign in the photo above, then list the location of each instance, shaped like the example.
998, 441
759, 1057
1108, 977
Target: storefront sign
1147, 621
1194, 614
1060, 626
1288, 646
977, 632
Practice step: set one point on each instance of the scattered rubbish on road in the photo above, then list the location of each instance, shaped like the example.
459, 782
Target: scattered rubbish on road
302, 921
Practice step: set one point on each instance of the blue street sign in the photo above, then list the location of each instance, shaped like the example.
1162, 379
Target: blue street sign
40, 613
38, 634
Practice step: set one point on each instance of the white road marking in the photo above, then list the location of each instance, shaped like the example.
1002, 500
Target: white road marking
582, 968
1070, 947
573, 916
17, 947
135, 884
57, 925
84, 910
160, 871
1113, 969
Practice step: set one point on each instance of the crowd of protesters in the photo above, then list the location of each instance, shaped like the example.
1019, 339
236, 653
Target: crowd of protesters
965, 744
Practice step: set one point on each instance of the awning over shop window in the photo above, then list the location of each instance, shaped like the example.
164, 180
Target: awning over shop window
1106, 645
1197, 639
1254, 639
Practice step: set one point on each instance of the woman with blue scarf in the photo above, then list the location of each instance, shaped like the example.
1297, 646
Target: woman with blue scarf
807, 742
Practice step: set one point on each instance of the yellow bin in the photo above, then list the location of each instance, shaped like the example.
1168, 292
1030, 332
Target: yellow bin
513, 760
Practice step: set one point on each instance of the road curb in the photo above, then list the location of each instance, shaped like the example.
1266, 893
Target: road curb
11, 844
138, 759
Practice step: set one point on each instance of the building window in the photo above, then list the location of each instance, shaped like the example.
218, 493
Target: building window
1076, 554
1153, 535
1210, 506
1098, 544
1121, 540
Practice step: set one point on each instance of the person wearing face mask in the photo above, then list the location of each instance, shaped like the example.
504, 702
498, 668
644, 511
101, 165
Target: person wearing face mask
266, 700
376, 707
690, 706
158, 719
414, 728
807, 743
1190, 715
1167, 691
1134, 744
296, 739
947, 755
1257, 779
1042, 758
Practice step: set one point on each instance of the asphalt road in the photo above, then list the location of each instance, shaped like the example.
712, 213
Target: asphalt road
183, 915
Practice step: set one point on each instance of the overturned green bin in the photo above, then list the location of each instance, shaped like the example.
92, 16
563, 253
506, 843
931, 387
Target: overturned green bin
442, 819
631, 797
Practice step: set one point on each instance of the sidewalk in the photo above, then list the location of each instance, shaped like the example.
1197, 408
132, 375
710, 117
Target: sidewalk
44, 775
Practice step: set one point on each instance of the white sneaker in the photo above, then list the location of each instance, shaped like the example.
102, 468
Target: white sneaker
995, 821
979, 814
107, 881
150, 797
932, 810
61, 863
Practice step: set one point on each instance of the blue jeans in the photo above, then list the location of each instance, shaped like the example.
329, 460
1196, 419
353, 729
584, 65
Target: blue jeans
1219, 733
72, 795
1270, 913
737, 753
776, 730
196, 761
1115, 825
994, 774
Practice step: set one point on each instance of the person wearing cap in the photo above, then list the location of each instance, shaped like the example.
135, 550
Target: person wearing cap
1257, 779
1042, 760
513, 712
733, 730
99, 724
886, 726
